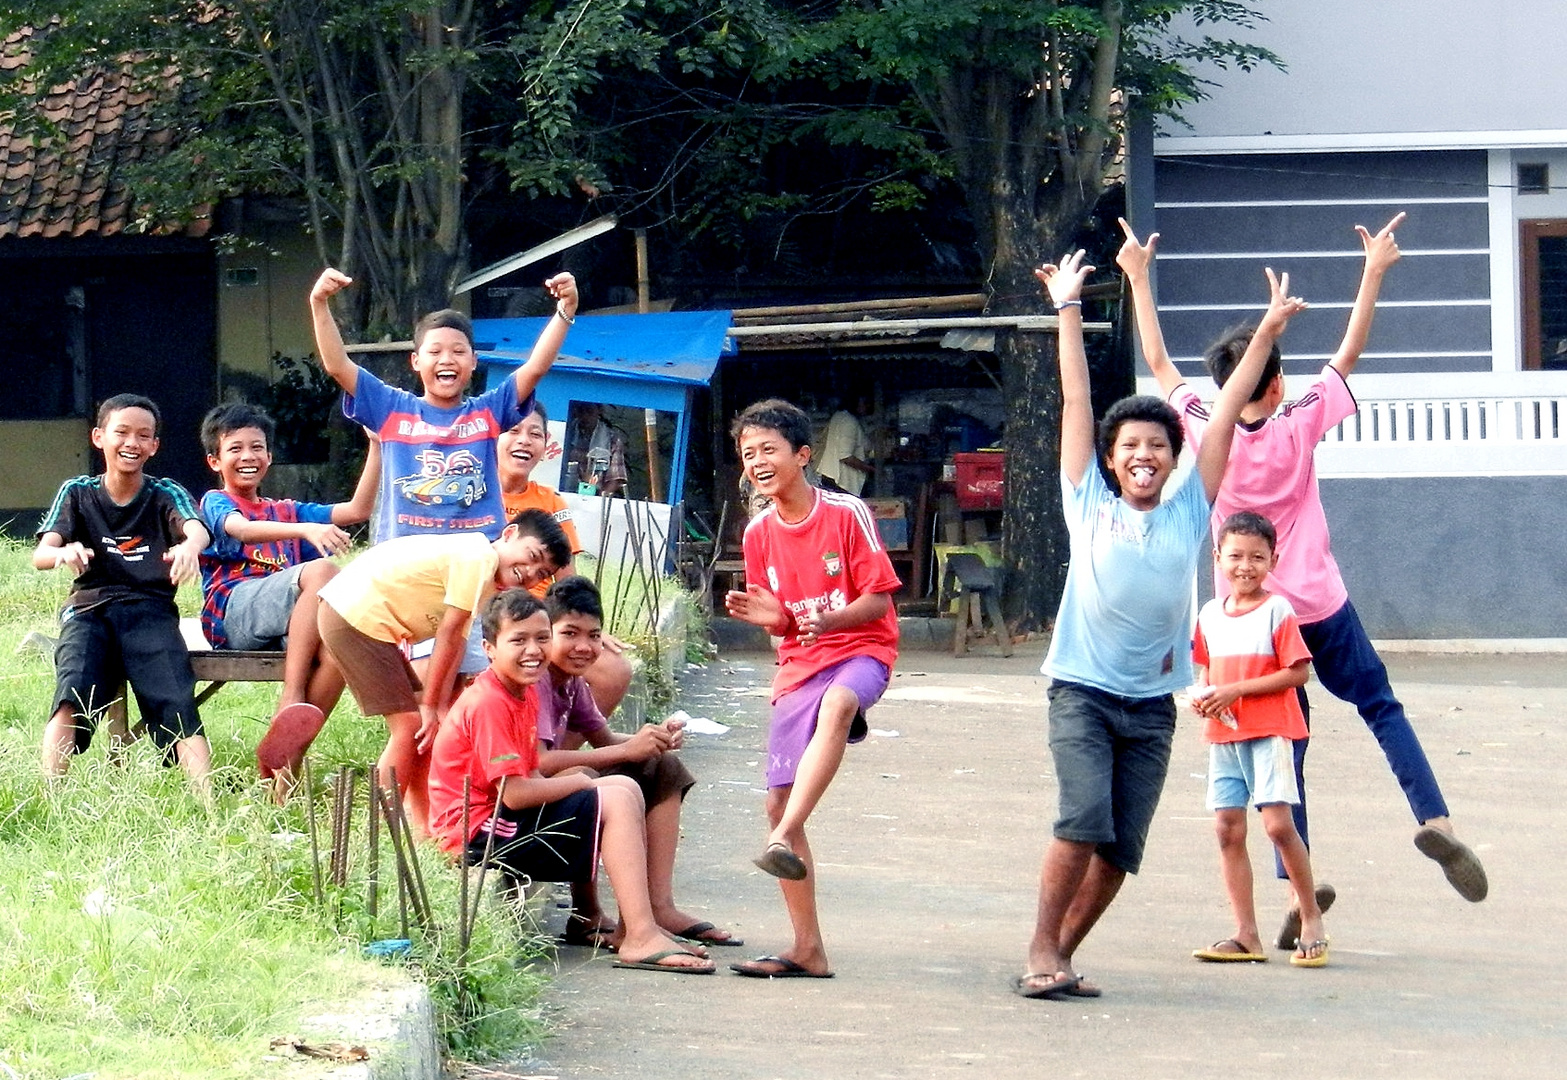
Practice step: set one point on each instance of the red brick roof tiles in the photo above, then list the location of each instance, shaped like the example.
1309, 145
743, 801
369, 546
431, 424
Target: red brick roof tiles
75, 185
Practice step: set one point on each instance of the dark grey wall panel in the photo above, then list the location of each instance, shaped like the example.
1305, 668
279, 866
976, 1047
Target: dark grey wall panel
1443, 173
1464, 557
1236, 281
1315, 228
1269, 231
1416, 329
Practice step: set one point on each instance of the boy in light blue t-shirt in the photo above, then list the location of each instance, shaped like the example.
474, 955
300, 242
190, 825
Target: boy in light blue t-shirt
1121, 645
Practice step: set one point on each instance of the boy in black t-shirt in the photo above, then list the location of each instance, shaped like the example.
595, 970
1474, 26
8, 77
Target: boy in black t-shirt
130, 539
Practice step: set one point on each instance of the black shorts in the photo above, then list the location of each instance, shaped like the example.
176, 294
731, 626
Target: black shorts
1111, 756
135, 640
661, 777
558, 841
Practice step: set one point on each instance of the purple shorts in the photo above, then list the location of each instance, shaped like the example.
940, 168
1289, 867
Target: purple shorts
794, 714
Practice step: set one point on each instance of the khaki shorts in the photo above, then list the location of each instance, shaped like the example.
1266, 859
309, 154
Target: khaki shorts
377, 672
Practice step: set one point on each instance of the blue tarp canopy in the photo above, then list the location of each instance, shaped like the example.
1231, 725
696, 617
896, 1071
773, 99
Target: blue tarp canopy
676, 346
651, 361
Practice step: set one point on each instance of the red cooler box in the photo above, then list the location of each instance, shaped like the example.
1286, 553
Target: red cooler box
978, 483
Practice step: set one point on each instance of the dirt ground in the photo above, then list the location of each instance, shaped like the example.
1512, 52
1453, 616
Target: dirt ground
929, 844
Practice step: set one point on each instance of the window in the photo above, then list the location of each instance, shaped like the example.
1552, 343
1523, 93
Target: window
1534, 179
1544, 254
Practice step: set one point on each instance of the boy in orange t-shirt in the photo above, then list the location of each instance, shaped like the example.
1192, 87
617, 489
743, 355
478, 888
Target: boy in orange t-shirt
518, 451
1251, 648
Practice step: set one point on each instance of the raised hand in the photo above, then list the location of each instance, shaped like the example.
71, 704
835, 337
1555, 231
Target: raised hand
1134, 259
329, 284
563, 287
1282, 307
1064, 283
1381, 249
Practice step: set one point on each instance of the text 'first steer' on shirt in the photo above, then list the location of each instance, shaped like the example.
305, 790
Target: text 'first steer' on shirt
440, 470
824, 562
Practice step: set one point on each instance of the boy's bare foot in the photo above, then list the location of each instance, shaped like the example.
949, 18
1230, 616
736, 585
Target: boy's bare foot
1232, 951
683, 926
784, 966
1312, 954
1435, 840
1289, 933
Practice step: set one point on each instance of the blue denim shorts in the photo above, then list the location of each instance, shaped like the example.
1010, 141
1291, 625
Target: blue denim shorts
1111, 756
1252, 772
258, 609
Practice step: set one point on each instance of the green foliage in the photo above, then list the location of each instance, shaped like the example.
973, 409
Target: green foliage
149, 935
301, 401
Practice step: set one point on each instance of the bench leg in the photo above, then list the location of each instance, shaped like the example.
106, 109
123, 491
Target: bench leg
997, 623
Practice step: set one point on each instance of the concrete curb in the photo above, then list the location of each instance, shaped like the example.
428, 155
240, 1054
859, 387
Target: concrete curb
397, 1026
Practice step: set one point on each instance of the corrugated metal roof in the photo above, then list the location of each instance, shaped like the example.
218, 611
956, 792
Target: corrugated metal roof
676, 346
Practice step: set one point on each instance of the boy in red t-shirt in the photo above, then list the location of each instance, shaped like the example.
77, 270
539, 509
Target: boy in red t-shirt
1254, 656
818, 577
544, 828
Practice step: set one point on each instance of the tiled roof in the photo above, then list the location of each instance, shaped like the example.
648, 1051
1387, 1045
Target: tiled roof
75, 186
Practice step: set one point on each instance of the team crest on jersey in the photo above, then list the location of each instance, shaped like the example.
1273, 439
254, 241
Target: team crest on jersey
833, 563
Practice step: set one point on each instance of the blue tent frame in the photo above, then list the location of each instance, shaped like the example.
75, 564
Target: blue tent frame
651, 361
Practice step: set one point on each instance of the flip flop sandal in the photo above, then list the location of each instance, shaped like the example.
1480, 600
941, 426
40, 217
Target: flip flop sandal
291, 732
697, 931
780, 862
1060, 984
1239, 954
1458, 862
787, 969
651, 963
1289, 933
1301, 959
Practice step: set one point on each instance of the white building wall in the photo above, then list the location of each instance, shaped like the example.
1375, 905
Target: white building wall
1390, 74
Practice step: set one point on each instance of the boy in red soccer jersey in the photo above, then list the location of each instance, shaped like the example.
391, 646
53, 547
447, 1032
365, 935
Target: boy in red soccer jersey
818, 577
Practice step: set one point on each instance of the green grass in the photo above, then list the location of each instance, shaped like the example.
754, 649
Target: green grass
144, 934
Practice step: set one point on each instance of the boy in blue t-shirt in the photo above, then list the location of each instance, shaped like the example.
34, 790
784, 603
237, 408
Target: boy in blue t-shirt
439, 467
261, 574
1121, 645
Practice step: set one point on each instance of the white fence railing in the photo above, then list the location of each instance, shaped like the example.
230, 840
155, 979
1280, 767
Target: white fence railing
1468, 424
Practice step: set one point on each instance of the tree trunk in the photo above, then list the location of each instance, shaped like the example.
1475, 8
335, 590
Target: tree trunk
1033, 531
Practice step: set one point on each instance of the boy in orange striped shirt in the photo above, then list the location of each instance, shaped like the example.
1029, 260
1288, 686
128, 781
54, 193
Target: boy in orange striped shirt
1250, 647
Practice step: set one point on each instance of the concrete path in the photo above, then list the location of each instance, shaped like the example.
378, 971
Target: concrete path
929, 845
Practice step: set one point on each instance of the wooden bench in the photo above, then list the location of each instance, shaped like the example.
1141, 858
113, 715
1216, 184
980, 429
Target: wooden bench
216, 667
978, 592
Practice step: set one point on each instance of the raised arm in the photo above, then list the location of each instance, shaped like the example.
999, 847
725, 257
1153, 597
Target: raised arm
1381, 253
1064, 286
1214, 454
360, 505
329, 340
563, 287
1135, 260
